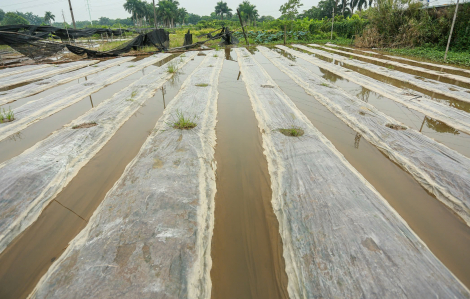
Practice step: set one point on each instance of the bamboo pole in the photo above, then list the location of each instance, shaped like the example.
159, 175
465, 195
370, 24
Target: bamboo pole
243, 28
451, 29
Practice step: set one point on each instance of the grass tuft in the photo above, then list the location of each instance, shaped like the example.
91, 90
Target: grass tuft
172, 68
85, 125
202, 85
292, 131
6, 116
326, 85
182, 122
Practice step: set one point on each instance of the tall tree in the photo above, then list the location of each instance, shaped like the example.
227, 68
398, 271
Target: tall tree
182, 12
49, 17
290, 9
12, 18
344, 7
131, 7
222, 9
248, 12
193, 18
167, 11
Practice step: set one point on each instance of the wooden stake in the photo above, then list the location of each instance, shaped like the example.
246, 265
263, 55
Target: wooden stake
451, 29
285, 33
243, 28
71, 12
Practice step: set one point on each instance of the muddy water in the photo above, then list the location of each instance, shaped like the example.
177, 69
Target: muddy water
246, 244
416, 61
444, 233
435, 129
66, 85
30, 255
401, 84
401, 69
21, 141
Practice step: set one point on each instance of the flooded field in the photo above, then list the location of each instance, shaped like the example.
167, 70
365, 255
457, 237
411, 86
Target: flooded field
279, 172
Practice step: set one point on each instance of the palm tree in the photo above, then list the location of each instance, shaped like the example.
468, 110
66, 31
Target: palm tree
344, 6
167, 11
248, 12
182, 12
131, 7
49, 17
222, 9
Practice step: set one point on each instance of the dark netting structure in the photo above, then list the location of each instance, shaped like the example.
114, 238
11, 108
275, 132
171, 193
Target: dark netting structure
63, 34
35, 47
227, 38
31, 46
188, 39
158, 38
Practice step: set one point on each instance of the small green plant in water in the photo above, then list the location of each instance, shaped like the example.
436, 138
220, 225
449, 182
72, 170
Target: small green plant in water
324, 84
172, 68
202, 85
133, 94
131, 66
391, 67
182, 122
6, 115
215, 55
292, 131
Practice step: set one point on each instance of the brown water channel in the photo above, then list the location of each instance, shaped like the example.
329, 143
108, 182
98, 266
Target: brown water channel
246, 244
399, 68
398, 83
435, 129
444, 233
416, 61
29, 256
26, 138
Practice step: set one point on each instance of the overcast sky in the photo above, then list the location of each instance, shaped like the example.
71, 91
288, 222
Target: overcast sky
113, 8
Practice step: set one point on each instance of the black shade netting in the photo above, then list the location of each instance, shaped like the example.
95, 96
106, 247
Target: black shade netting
64, 34
227, 38
158, 38
30, 46
188, 39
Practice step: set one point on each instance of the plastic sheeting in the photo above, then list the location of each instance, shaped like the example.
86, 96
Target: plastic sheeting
151, 235
31, 180
401, 65
440, 170
406, 60
448, 90
34, 111
11, 71
453, 117
36, 87
44, 73
341, 238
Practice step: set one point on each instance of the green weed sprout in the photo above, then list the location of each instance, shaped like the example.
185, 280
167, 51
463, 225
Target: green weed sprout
6, 115
182, 122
